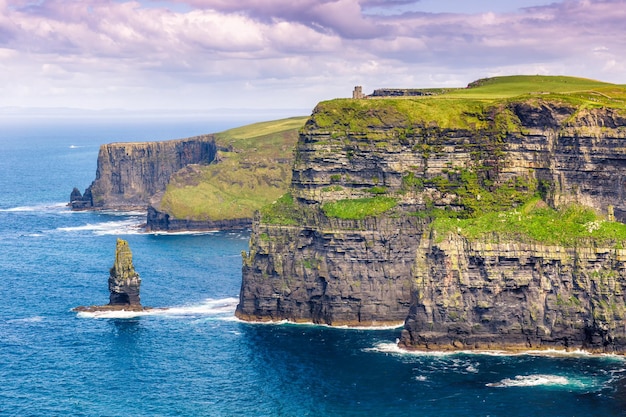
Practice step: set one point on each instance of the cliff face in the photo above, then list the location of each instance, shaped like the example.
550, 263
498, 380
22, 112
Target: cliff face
305, 264
483, 295
128, 174
337, 272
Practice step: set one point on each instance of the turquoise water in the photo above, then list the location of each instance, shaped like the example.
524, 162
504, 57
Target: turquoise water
195, 359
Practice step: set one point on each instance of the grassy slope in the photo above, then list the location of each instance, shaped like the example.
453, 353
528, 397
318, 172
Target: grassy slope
254, 170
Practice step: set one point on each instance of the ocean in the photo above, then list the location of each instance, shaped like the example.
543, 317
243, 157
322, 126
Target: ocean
196, 359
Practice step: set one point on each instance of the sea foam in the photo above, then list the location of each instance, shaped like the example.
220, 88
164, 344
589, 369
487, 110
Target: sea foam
115, 227
533, 381
45, 207
217, 308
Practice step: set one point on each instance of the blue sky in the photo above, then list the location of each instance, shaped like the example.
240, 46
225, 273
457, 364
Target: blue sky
208, 54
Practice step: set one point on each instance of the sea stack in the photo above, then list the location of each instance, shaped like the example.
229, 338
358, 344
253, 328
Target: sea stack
124, 284
124, 281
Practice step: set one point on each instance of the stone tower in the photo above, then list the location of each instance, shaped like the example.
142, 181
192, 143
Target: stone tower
358, 92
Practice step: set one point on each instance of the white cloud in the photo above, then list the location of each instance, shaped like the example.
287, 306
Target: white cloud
216, 53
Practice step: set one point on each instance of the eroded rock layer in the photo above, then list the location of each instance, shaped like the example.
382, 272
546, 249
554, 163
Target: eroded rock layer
337, 272
484, 295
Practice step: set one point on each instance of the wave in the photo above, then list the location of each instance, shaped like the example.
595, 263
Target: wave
34, 319
395, 349
223, 308
120, 213
116, 227
45, 207
311, 324
535, 381
183, 233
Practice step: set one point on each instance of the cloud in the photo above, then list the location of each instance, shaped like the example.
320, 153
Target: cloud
193, 51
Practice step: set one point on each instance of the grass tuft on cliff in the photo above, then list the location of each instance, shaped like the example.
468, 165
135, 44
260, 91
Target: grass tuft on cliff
254, 169
535, 222
359, 208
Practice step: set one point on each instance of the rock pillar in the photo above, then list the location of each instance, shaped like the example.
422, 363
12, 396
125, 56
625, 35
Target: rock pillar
124, 282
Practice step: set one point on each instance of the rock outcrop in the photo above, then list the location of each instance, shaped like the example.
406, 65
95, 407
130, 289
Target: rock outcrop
124, 282
307, 264
129, 174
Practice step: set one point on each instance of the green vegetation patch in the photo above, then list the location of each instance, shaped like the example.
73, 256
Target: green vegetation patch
284, 211
359, 208
253, 169
536, 222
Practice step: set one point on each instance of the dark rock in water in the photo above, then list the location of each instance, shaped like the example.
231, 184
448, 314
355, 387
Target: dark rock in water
124, 282
159, 221
79, 201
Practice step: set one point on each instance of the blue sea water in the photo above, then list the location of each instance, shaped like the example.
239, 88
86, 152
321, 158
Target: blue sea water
195, 359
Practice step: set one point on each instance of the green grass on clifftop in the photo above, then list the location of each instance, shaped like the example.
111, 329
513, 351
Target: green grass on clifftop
466, 108
254, 169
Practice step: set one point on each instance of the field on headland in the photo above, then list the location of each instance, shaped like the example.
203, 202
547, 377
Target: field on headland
253, 169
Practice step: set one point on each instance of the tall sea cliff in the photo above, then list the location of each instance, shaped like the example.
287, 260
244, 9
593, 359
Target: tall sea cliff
380, 224
129, 174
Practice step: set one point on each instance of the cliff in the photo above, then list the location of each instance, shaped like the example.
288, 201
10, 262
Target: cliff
484, 295
208, 182
129, 174
369, 227
252, 168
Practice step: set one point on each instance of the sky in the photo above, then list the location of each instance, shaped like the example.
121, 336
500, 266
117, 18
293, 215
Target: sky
188, 55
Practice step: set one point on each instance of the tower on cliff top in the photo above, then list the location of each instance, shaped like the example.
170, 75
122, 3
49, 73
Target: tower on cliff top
358, 92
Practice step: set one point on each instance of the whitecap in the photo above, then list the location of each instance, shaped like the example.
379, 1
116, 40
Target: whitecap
75, 146
216, 308
472, 369
142, 213
393, 348
117, 227
33, 319
533, 381
45, 207
421, 378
